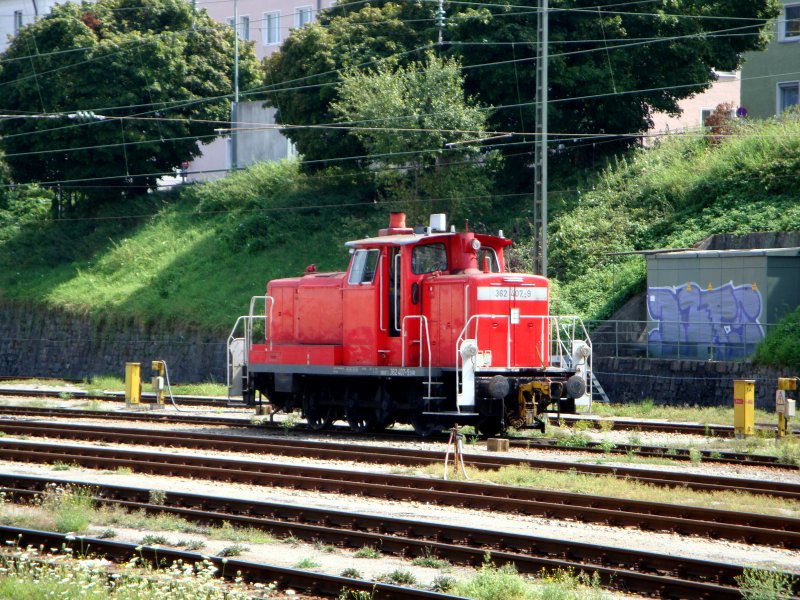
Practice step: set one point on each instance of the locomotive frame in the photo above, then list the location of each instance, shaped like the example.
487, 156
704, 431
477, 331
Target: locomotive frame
425, 327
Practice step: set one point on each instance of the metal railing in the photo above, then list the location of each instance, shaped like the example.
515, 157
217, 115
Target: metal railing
562, 332
245, 324
690, 340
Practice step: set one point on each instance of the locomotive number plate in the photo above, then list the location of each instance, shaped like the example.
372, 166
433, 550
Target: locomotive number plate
506, 293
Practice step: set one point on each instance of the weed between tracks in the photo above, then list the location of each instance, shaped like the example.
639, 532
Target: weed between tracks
647, 409
31, 574
608, 485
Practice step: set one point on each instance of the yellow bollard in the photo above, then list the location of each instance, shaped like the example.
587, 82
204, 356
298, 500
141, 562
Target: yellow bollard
782, 403
158, 380
133, 383
744, 407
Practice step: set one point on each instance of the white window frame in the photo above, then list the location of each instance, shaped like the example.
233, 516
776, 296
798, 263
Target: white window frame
782, 24
244, 32
18, 22
266, 41
298, 13
784, 84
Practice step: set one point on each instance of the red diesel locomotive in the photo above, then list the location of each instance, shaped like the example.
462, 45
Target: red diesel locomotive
425, 327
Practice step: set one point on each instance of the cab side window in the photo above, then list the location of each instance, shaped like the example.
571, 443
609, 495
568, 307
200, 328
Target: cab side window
487, 257
363, 265
429, 258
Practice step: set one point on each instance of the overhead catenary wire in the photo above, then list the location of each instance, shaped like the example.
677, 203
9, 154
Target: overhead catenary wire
493, 108
353, 124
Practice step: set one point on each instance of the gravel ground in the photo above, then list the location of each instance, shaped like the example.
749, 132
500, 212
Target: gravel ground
334, 562
703, 468
629, 538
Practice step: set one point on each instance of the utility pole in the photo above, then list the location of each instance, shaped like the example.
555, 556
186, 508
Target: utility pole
540, 144
235, 103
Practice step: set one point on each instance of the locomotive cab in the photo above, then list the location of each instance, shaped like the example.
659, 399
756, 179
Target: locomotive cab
425, 327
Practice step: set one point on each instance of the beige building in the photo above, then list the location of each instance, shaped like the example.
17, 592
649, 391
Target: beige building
727, 89
265, 25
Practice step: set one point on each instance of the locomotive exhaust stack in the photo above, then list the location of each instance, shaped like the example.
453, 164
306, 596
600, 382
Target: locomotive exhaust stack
425, 327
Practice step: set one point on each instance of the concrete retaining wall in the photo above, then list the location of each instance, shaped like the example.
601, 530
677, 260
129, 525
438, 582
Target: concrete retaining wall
43, 342
702, 383
40, 342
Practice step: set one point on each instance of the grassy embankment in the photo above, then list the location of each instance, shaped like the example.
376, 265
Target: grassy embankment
197, 254
673, 196
193, 256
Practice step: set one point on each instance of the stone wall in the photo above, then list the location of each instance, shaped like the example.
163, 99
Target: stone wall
704, 383
35, 341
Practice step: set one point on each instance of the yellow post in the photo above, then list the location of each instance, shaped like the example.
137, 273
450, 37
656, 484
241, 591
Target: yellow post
133, 383
158, 380
785, 384
744, 407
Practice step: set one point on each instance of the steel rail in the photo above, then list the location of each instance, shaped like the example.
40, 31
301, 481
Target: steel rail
634, 571
252, 572
383, 455
671, 453
221, 401
687, 520
678, 454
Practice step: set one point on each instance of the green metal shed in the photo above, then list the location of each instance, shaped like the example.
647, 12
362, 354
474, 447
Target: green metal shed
718, 304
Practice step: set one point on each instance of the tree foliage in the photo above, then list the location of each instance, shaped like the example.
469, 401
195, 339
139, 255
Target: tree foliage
416, 121
157, 72
610, 69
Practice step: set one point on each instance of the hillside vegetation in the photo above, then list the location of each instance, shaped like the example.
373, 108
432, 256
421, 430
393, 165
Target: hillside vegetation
673, 196
194, 255
198, 253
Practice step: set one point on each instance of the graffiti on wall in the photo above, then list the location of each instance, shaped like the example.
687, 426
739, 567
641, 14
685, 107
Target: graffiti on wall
691, 321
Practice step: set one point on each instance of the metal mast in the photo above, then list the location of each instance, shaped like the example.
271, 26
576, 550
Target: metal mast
235, 103
540, 147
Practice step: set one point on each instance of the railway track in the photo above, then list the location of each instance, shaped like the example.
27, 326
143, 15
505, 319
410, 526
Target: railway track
381, 455
311, 582
678, 454
570, 420
634, 571
653, 516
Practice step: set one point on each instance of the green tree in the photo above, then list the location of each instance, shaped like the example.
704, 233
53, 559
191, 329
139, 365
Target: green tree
610, 69
158, 75
416, 120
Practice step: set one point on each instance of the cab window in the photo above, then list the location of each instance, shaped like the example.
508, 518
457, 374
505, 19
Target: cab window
487, 257
429, 258
362, 268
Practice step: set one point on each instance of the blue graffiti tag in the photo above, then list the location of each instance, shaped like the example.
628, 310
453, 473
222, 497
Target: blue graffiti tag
721, 323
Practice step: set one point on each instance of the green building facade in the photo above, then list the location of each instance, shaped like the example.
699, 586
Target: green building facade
771, 79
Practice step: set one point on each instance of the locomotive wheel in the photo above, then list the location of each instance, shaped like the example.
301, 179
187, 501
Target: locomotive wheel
490, 426
424, 426
317, 410
361, 420
319, 417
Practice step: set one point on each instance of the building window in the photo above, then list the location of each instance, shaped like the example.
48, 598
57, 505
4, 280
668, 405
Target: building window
303, 15
244, 27
272, 28
17, 21
788, 95
790, 26
707, 112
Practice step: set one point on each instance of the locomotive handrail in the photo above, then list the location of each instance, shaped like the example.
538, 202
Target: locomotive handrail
381, 298
269, 302
246, 322
228, 362
423, 320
